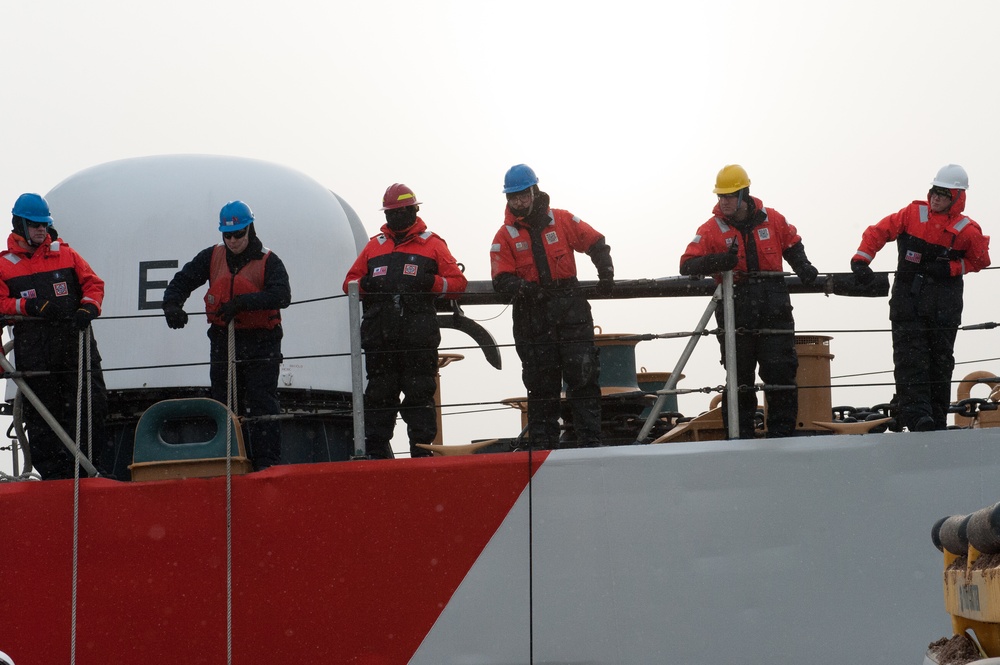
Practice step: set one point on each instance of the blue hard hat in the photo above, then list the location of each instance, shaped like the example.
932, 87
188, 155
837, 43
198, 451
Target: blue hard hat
234, 216
33, 208
518, 179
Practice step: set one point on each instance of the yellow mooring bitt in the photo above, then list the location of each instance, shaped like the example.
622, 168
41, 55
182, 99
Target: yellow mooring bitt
971, 547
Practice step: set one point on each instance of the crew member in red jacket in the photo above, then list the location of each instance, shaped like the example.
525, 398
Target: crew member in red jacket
402, 271
44, 278
532, 259
937, 244
748, 238
247, 284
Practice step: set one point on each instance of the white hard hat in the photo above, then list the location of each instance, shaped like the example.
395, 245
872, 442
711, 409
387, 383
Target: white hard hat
951, 176
5, 659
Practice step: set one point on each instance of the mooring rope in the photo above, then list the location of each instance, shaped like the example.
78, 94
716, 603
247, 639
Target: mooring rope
231, 406
83, 361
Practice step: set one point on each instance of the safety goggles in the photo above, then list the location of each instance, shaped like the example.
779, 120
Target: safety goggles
229, 235
35, 225
941, 191
520, 199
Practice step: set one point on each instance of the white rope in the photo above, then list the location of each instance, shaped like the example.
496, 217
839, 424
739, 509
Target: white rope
80, 339
82, 370
231, 405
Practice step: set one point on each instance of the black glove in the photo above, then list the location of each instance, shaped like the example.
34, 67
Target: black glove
862, 271
85, 313
229, 310
807, 273
41, 308
372, 284
176, 317
420, 283
723, 261
938, 268
605, 284
532, 292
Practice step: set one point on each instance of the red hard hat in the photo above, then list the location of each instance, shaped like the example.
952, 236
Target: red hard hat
399, 196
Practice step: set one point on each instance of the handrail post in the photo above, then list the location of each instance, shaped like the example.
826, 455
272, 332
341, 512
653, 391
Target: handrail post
732, 387
357, 378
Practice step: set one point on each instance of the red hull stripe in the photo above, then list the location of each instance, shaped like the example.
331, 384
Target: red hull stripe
344, 562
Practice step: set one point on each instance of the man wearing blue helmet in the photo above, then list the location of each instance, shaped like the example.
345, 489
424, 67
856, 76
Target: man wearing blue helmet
247, 287
532, 259
44, 278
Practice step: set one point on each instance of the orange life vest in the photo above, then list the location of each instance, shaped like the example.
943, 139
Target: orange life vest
223, 286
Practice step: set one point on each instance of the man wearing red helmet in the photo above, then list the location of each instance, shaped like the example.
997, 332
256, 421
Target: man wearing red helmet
402, 271
248, 286
937, 244
747, 237
532, 259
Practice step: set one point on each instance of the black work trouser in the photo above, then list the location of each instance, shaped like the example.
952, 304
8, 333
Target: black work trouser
778, 363
763, 306
412, 372
923, 360
925, 315
555, 342
258, 365
58, 393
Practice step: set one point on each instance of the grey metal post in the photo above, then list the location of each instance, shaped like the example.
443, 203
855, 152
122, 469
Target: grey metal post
732, 387
357, 378
48, 417
675, 376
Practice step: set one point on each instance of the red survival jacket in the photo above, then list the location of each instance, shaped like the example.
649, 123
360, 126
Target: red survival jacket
223, 286
565, 234
949, 235
772, 237
417, 251
53, 271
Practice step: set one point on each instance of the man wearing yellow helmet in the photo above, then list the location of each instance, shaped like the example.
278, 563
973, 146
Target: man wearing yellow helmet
744, 236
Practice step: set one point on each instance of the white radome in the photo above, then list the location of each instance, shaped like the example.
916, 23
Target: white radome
137, 221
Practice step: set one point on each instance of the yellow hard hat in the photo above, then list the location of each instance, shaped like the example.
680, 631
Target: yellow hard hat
732, 178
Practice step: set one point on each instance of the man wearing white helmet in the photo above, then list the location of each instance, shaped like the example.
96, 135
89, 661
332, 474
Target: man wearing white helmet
248, 286
937, 244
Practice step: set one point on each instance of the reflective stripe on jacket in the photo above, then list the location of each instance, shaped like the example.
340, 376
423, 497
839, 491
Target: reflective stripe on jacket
771, 237
950, 234
565, 234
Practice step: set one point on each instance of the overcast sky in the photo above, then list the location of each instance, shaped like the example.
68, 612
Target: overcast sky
841, 112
